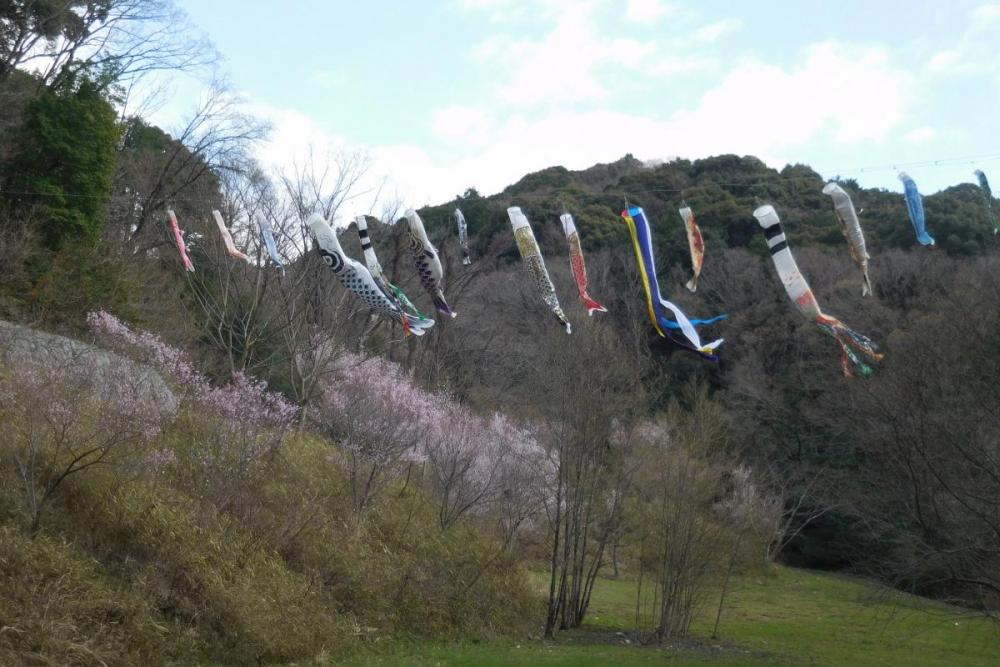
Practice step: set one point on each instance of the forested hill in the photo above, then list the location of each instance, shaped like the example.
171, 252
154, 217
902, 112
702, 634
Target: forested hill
723, 192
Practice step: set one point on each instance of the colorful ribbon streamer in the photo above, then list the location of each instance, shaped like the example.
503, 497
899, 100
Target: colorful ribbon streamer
638, 227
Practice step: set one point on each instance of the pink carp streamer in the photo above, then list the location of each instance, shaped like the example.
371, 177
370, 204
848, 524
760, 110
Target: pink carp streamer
577, 264
179, 240
227, 238
697, 245
854, 347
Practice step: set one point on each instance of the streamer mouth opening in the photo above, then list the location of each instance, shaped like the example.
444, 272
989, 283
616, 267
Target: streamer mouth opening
831, 188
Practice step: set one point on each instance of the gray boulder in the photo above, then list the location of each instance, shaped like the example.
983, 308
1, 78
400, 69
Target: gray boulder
19, 344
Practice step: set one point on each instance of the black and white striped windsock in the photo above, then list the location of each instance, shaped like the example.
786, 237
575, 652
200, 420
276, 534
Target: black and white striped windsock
853, 346
371, 260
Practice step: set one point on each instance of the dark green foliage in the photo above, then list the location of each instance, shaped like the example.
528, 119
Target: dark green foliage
723, 191
67, 162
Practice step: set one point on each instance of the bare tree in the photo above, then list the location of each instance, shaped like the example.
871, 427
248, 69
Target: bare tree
118, 40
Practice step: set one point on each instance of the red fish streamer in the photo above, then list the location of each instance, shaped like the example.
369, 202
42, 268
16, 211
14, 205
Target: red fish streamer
577, 264
179, 240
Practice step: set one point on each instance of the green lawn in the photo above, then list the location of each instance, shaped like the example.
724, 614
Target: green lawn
789, 618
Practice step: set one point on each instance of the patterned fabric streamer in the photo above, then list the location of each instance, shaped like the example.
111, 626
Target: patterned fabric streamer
535, 263
915, 206
425, 257
463, 236
638, 227
988, 198
847, 216
179, 240
576, 263
272, 247
695, 243
371, 260
227, 238
358, 280
853, 346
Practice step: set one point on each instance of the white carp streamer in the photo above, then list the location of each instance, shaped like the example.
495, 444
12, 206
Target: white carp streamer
358, 279
463, 236
371, 260
847, 216
425, 258
853, 346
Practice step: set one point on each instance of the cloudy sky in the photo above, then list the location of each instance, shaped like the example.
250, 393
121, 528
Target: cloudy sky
449, 94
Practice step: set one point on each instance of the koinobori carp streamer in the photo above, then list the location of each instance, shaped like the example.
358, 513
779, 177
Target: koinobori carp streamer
696, 244
179, 241
425, 258
666, 327
577, 264
984, 185
915, 207
535, 263
371, 260
854, 346
269, 243
847, 216
463, 236
358, 280
227, 238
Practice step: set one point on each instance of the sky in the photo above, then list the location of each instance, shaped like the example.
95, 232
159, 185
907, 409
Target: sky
444, 95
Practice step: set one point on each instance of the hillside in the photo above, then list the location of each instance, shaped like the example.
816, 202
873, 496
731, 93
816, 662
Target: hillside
215, 452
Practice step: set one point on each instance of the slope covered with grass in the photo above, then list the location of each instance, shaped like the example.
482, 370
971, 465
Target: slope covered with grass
784, 617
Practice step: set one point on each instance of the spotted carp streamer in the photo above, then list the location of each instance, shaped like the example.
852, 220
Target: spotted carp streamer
577, 264
535, 263
915, 206
638, 227
179, 241
696, 243
854, 347
463, 236
371, 260
227, 238
358, 280
984, 184
847, 216
425, 258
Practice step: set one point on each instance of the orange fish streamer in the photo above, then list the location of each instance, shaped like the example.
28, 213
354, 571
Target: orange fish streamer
697, 245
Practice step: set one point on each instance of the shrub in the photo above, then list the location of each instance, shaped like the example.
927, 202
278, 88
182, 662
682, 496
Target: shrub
56, 608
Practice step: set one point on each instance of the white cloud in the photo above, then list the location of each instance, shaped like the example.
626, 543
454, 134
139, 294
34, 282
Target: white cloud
841, 93
920, 135
465, 125
576, 60
646, 11
713, 32
976, 50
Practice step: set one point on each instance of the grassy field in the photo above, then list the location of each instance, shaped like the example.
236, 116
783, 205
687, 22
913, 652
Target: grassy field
786, 618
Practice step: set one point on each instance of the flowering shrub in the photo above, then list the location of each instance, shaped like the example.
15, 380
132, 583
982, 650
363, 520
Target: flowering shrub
232, 427
385, 422
61, 419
